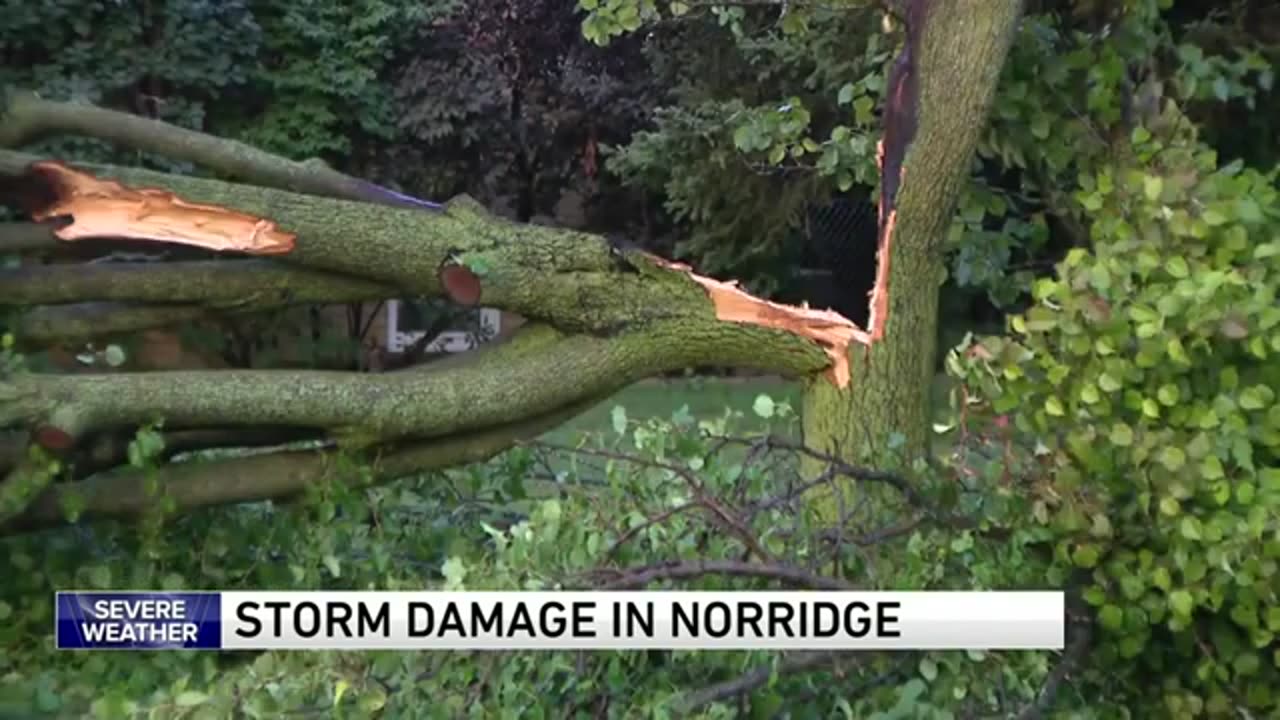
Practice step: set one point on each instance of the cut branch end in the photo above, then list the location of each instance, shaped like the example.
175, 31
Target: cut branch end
53, 438
461, 284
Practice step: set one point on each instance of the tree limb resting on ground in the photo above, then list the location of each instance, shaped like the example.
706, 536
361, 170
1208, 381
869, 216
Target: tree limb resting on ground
193, 485
602, 315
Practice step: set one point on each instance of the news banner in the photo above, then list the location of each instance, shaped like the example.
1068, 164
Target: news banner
480, 620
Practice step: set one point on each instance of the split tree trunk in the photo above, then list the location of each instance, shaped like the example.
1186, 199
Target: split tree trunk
955, 55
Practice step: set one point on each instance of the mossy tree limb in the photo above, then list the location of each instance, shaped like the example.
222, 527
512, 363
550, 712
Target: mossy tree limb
574, 281
603, 315
536, 372
218, 283
193, 485
25, 117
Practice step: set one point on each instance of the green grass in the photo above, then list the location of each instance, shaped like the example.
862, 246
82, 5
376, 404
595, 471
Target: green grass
706, 397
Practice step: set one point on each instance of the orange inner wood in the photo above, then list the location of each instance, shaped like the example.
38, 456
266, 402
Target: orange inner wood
104, 208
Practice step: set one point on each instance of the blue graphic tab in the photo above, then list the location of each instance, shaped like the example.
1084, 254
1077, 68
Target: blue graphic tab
138, 620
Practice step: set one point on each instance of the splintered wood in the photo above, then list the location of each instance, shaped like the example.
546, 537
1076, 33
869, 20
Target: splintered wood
106, 209
833, 331
880, 291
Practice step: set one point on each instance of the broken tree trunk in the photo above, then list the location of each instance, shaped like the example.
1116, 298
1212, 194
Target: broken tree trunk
940, 89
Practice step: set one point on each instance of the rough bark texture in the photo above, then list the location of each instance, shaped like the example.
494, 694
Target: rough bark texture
960, 50
602, 315
191, 485
214, 284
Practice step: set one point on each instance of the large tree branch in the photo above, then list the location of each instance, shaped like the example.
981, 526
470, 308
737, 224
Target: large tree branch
45, 326
26, 237
109, 450
167, 294
576, 282
573, 281
25, 117
536, 372
213, 283
193, 485
619, 314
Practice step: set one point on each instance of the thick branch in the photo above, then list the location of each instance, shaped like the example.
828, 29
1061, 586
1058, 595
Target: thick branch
45, 326
262, 477
26, 237
24, 118
112, 449
536, 372
578, 283
213, 283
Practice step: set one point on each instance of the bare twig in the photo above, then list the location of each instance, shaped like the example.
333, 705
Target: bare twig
1077, 648
720, 514
656, 520
642, 576
756, 677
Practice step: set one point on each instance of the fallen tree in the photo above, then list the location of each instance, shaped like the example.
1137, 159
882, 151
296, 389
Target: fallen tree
603, 315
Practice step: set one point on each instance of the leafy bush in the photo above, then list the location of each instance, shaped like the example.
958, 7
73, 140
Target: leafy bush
1146, 373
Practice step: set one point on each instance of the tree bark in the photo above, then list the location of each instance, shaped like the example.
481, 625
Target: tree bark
959, 49
602, 315
125, 494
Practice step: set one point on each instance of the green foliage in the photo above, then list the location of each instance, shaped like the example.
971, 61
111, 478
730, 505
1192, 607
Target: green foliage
737, 218
320, 83
1145, 374
636, 498
757, 133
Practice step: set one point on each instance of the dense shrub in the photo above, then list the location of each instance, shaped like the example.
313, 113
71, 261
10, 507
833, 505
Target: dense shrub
1146, 376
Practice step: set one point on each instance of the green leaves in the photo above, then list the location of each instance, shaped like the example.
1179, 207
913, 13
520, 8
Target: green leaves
1148, 384
1181, 604
763, 406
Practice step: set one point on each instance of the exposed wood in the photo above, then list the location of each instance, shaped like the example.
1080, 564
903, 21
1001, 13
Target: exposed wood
938, 96
830, 329
104, 208
460, 284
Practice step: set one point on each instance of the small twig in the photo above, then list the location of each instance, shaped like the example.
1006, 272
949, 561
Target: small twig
630, 534
1077, 648
642, 576
756, 677
721, 515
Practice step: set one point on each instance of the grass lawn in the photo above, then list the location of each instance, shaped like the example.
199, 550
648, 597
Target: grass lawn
706, 397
